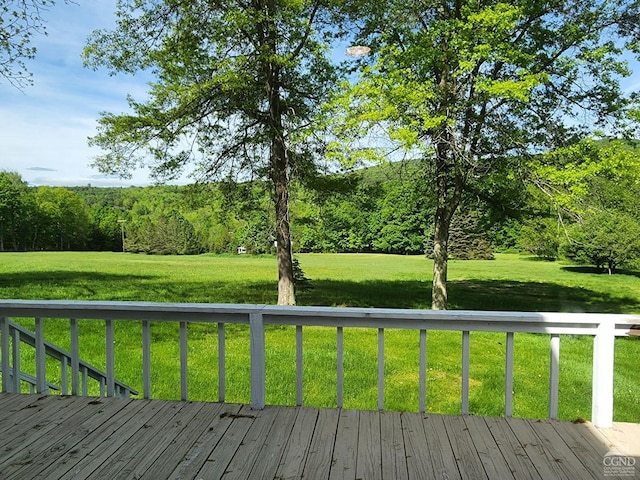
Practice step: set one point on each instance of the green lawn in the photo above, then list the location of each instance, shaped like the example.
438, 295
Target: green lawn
511, 282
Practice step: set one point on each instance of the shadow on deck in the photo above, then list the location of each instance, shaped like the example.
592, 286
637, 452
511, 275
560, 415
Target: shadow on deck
58, 437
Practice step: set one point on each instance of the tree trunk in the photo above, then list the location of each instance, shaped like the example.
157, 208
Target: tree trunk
286, 293
279, 164
439, 297
449, 187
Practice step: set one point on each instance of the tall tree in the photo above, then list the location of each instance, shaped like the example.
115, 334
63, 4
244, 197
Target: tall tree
470, 84
13, 191
19, 21
593, 188
237, 82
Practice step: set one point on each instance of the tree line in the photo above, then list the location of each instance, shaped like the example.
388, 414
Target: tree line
579, 203
378, 210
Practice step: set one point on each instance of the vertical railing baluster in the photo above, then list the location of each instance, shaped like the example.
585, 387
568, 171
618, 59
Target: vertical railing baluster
423, 371
17, 366
299, 365
4, 352
184, 371
102, 387
146, 359
75, 357
380, 369
41, 367
465, 373
602, 375
85, 382
111, 374
258, 370
340, 367
221, 363
64, 375
508, 377
554, 376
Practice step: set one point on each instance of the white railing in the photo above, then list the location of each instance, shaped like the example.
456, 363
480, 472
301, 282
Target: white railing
603, 327
16, 376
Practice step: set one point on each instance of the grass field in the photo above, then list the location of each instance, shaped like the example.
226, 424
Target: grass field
511, 282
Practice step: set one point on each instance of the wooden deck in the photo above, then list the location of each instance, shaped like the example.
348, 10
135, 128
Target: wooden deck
56, 437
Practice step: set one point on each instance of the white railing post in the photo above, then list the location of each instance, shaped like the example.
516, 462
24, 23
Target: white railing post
339, 366
64, 376
299, 366
85, 384
257, 350
184, 368
111, 374
508, 377
465, 373
381, 369
41, 369
221, 363
146, 359
422, 377
17, 368
554, 376
75, 357
4, 352
603, 360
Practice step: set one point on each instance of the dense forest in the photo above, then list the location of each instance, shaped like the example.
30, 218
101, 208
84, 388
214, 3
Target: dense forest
383, 209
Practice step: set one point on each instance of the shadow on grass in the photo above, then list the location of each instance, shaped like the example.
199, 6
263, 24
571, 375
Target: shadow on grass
67, 285
463, 294
468, 295
25, 279
534, 296
597, 271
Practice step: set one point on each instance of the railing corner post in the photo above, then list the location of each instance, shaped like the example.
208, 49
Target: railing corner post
258, 370
603, 363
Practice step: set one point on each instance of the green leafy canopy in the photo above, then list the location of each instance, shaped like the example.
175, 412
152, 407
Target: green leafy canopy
209, 103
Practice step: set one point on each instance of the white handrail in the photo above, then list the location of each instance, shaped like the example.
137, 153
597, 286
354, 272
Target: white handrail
38, 383
603, 327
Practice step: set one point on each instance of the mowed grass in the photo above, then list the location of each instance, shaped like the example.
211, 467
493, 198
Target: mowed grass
511, 282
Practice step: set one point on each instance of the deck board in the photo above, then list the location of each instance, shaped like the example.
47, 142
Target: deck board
274, 445
223, 454
369, 458
200, 450
466, 454
512, 450
343, 466
322, 445
185, 446
489, 453
443, 459
142, 450
563, 456
418, 452
394, 456
81, 438
298, 444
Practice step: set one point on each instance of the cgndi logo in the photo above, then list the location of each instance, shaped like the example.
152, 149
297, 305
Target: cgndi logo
619, 465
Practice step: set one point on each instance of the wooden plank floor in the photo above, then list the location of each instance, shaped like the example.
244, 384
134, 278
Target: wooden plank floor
75, 438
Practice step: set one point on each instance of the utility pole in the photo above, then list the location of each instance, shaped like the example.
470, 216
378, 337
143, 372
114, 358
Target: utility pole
121, 222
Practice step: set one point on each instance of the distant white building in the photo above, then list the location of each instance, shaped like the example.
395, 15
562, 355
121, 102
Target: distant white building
241, 250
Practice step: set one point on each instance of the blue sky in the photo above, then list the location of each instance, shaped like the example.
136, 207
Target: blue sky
44, 128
